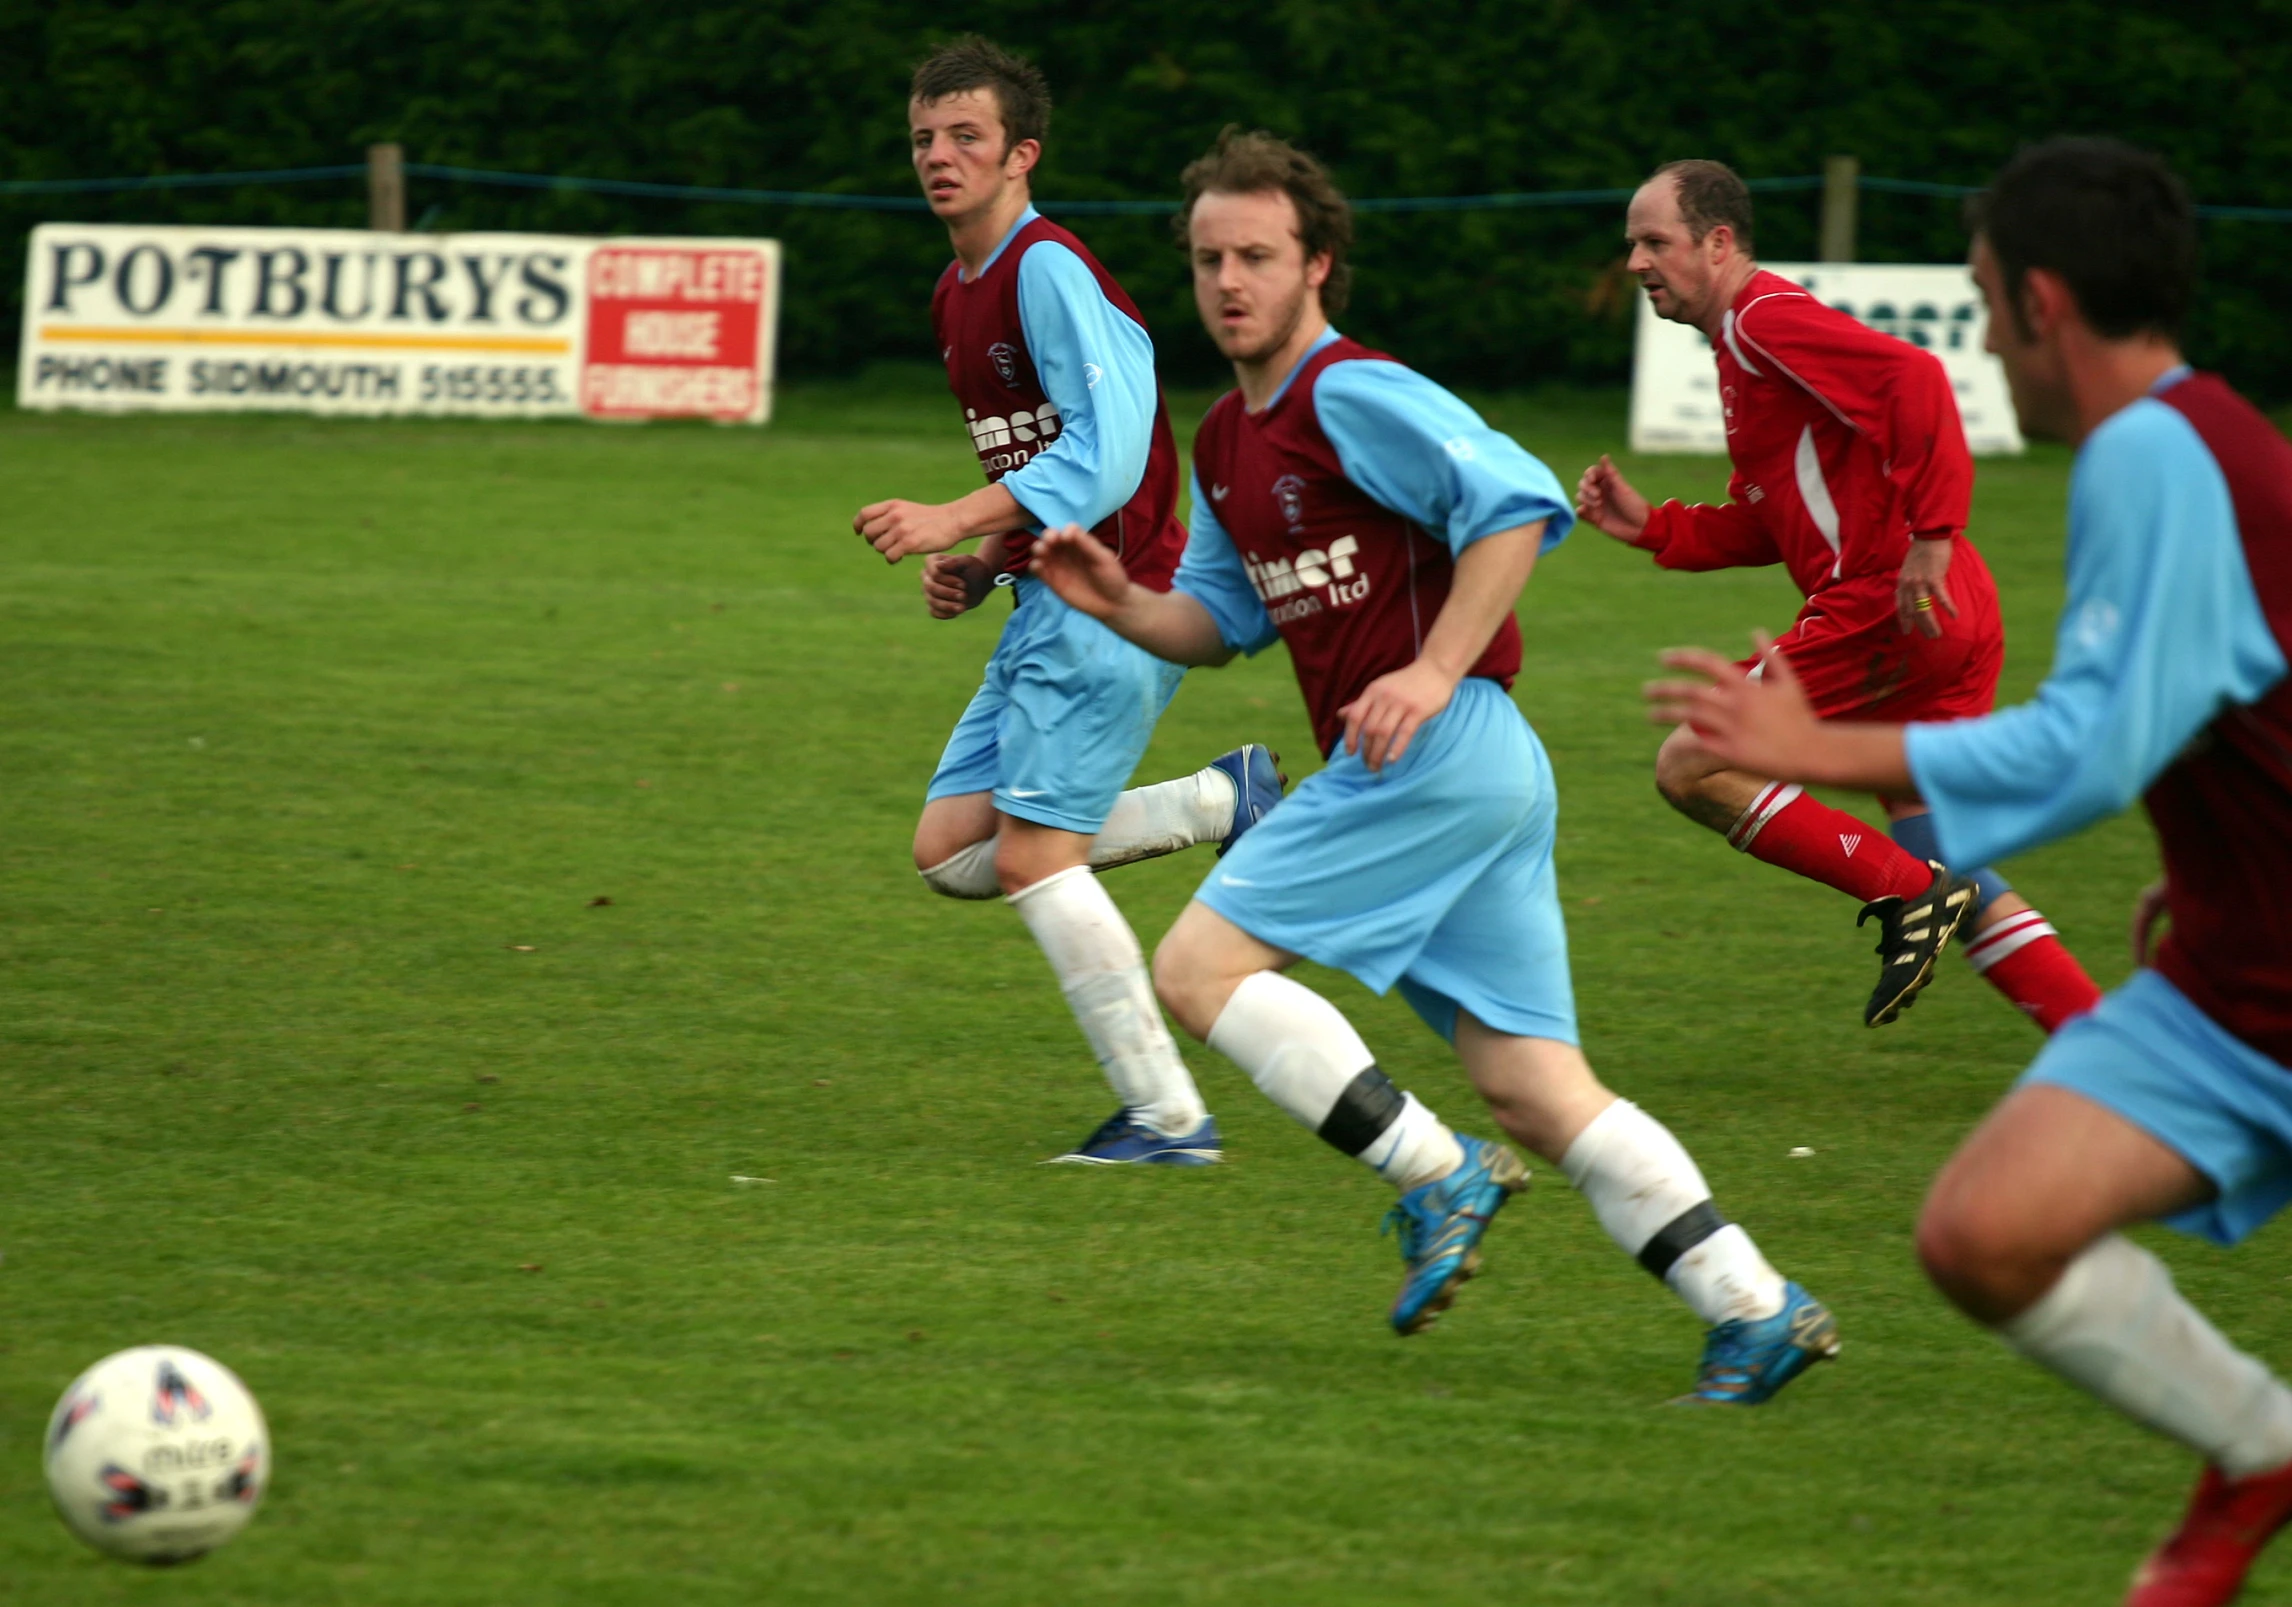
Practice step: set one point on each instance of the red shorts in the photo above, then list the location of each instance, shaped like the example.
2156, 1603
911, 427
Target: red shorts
1856, 663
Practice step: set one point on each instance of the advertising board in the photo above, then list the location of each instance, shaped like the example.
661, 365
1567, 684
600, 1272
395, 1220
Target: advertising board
1675, 401
127, 317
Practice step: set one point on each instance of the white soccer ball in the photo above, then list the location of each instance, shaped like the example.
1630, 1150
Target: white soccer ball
157, 1454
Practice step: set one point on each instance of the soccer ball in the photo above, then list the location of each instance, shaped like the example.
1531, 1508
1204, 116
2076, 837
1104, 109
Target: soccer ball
157, 1454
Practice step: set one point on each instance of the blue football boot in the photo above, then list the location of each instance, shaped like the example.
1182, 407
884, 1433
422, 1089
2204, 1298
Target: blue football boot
1255, 771
1122, 1140
1746, 1362
1441, 1224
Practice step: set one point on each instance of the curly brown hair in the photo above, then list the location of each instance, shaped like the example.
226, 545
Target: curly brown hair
1256, 162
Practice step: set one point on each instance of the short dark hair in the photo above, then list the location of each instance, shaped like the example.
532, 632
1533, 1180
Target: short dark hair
1255, 162
1710, 193
2113, 221
1022, 94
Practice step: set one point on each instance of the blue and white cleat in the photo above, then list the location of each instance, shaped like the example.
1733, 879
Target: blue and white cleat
1441, 1225
1746, 1362
1123, 1140
1255, 771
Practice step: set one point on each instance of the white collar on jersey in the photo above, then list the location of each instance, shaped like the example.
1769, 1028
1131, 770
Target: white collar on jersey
1327, 335
1025, 218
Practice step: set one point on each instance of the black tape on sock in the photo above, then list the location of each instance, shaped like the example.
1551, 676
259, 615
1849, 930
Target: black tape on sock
1680, 1235
1369, 1105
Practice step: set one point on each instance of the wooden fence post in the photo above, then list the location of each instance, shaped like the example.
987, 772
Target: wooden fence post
386, 188
1839, 175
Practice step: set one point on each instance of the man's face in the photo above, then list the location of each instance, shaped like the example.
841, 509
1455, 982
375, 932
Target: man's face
2031, 358
960, 155
1252, 280
1677, 270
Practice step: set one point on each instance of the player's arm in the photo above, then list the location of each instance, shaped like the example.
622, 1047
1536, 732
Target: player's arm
956, 582
2161, 631
1679, 535
1210, 612
1420, 451
898, 528
1097, 366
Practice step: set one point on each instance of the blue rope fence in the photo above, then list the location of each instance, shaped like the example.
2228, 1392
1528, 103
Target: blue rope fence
838, 201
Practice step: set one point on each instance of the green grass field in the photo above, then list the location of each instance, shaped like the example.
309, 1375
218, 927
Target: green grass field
323, 744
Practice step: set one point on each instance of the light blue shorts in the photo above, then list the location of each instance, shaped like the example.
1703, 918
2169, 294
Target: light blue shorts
1435, 874
1061, 718
2155, 1059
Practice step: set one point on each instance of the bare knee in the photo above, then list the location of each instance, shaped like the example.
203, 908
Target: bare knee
1682, 767
1189, 986
1984, 1264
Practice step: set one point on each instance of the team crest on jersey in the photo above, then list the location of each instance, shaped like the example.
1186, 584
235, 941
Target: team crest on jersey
1005, 357
1289, 496
173, 1395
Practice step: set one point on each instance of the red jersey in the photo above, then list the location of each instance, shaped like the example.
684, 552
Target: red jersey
1352, 586
2223, 810
1846, 446
1012, 418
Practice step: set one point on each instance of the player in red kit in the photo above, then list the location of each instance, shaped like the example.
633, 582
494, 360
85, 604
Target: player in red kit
1370, 521
2171, 684
1851, 468
1055, 372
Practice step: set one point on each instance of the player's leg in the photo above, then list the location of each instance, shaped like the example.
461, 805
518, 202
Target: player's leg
2141, 1109
1027, 779
2012, 947
1226, 988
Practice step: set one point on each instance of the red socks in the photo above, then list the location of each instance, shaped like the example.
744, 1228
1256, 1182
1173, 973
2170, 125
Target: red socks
2024, 960
1785, 827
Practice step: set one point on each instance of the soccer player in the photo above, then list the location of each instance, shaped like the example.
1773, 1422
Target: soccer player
1851, 468
1055, 372
2173, 1099
1369, 519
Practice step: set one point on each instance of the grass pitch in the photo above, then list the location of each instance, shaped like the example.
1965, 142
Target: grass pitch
324, 746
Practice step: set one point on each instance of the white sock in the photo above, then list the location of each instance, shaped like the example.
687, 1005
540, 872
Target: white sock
1103, 975
966, 873
1648, 1194
2115, 1326
1305, 1056
1147, 822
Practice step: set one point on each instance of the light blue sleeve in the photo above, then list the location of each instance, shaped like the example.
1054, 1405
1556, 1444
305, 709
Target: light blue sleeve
1097, 367
1211, 573
2161, 631
1421, 452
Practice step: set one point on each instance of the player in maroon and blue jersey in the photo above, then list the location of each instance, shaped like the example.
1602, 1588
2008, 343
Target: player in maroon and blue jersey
1055, 372
1851, 470
2172, 1100
1367, 518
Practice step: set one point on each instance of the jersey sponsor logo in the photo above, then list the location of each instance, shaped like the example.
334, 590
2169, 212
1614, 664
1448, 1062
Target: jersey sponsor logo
1005, 357
1005, 443
1293, 588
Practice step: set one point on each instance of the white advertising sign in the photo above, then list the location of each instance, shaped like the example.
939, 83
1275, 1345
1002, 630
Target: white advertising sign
124, 317
1675, 404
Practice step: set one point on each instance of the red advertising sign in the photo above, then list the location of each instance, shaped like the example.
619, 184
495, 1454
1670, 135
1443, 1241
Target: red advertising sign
680, 331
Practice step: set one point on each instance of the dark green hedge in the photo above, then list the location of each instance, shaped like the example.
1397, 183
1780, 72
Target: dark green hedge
1402, 98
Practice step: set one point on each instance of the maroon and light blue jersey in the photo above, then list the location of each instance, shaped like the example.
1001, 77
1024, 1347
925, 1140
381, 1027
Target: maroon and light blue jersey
2169, 681
1332, 520
1055, 372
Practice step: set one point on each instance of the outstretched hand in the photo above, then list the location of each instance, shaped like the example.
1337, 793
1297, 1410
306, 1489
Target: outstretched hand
1606, 501
1383, 720
1764, 725
1082, 570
